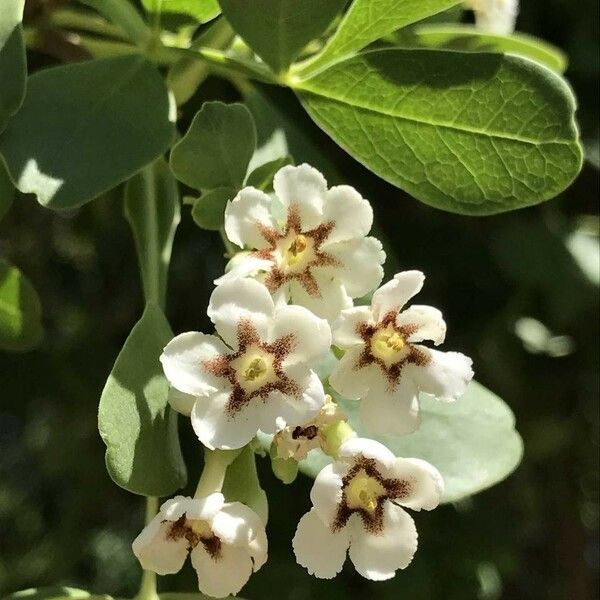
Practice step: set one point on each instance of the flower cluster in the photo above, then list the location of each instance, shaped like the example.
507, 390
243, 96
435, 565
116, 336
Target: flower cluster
286, 299
495, 16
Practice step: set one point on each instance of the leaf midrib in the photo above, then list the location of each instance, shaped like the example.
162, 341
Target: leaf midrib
439, 124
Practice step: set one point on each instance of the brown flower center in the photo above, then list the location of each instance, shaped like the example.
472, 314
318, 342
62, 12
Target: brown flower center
195, 531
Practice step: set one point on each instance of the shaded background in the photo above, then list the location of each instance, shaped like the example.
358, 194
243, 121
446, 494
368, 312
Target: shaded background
520, 295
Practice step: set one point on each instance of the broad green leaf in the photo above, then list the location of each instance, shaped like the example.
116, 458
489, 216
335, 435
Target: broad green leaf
242, 485
470, 39
209, 210
7, 191
217, 147
13, 63
201, 10
20, 311
465, 132
84, 128
262, 177
152, 209
135, 421
370, 20
55, 593
472, 441
278, 30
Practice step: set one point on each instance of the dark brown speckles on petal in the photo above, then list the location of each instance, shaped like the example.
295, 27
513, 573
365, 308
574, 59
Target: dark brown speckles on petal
181, 529
395, 489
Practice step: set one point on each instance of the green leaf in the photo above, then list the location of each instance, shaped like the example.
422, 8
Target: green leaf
55, 593
84, 128
7, 191
217, 147
470, 39
20, 311
13, 62
472, 441
152, 209
242, 484
201, 10
370, 20
469, 133
262, 177
135, 421
191, 596
278, 30
209, 210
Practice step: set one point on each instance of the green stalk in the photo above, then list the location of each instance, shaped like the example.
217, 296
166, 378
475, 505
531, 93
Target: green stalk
148, 590
213, 473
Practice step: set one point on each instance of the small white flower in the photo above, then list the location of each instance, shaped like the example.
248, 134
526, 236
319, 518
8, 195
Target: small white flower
495, 16
319, 257
227, 542
297, 442
384, 365
357, 504
257, 376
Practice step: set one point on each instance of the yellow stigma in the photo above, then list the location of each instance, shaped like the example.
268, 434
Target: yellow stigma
389, 345
256, 369
200, 527
364, 492
295, 250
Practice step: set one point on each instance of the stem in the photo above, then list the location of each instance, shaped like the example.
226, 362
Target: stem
72, 19
148, 586
215, 468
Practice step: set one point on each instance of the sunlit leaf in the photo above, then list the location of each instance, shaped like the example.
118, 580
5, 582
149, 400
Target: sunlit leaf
20, 311
135, 421
86, 127
465, 132
200, 10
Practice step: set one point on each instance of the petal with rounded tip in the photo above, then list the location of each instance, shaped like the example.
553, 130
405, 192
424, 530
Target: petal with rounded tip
350, 213
247, 216
393, 295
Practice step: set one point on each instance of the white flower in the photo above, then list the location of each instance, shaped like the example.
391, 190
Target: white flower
319, 257
357, 504
227, 542
495, 16
257, 376
384, 365
297, 442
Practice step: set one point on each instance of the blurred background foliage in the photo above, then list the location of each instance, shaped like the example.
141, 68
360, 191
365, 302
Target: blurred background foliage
520, 294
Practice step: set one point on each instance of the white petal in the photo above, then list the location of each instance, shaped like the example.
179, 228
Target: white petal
224, 574
351, 381
361, 259
496, 16
429, 323
396, 293
183, 358
332, 297
345, 329
326, 492
281, 409
446, 376
353, 448
216, 427
351, 213
246, 267
317, 548
236, 524
302, 188
240, 300
246, 215
311, 336
377, 557
258, 549
195, 508
181, 402
156, 552
426, 483
396, 412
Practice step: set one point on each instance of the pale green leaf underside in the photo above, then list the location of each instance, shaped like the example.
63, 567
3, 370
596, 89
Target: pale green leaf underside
208, 211
152, 209
465, 132
13, 63
20, 311
470, 39
277, 30
201, 10
135, 421
472, 441
370, 20
84, 128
